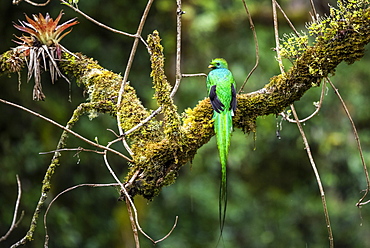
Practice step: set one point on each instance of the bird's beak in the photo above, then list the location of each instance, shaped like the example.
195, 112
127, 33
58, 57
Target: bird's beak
211, 66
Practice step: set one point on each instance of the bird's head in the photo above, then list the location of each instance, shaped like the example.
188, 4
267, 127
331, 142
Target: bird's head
218, 63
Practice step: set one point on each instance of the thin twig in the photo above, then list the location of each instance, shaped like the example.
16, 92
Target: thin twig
357, 138
179, 13
169, 233
318, 180
256, 44
78, 149
194, 75
318, 107
132, 221
136, 41
128, 198
287, 19
14, 221
66, 129
63, 192
131, 59
16, 2
132, 179
154, 113
314, 11
126, 194
276, 31
98, 23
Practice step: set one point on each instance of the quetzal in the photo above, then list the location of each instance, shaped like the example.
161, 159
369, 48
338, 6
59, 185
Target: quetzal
222, 94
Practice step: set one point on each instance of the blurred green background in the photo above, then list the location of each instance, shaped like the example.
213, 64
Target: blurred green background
273, 198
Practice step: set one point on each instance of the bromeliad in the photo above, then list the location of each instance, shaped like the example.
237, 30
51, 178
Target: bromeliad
42, 48
222, 94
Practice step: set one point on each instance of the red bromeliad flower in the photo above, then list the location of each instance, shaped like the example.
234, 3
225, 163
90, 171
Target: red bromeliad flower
42, 49
44, 30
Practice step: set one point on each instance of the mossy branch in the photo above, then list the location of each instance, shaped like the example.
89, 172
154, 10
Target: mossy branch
161, 149
162, 87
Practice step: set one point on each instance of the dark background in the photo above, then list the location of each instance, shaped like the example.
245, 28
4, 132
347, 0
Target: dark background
273, 198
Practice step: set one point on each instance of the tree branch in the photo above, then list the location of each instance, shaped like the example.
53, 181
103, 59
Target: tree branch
157, 155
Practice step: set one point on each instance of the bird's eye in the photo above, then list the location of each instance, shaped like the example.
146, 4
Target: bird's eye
218, 64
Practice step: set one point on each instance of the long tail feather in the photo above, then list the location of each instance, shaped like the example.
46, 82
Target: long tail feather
223, 128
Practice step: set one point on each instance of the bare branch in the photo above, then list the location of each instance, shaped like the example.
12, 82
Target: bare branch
169, 233
360, 203
123, 189
287, 19
66, 129
256, 44
136, 41
97, 22
357, 138
16, 2
317, 175
276, 31
63, 192
14, 221
194, 75
129, 200
133, 223
179, 13
78, 149
317, 110
154, 113
315, 16
127, 72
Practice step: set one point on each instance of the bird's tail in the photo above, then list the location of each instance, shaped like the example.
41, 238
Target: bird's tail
223, 128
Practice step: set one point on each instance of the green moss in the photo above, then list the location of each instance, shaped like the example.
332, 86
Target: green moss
11, 61
163, 88
293, 46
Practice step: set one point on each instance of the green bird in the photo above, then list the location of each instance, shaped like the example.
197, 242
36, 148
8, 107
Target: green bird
222, 94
